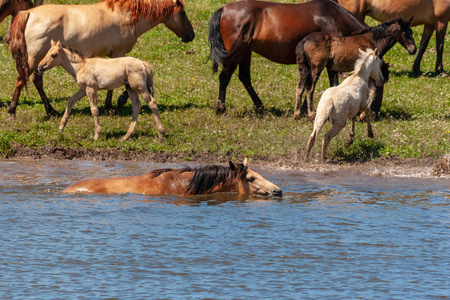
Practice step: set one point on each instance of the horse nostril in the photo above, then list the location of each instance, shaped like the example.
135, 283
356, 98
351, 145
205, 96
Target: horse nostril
277, 192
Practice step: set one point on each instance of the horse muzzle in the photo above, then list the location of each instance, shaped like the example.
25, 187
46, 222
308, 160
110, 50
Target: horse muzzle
188, 37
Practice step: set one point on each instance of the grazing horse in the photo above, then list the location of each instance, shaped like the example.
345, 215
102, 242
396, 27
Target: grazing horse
434, 14
337, 53
187, 181
346, 100
93, 74
107, 28
272, 30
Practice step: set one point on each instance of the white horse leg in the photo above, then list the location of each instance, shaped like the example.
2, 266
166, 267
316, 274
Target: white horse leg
352, 133
335, 129
154, 107
311, 141
78, 95
92, 94
136, 105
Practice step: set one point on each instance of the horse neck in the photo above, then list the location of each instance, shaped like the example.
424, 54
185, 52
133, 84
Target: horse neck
383, 45
143, 24
71, 62
364, 71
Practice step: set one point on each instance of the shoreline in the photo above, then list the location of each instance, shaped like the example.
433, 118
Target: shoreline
381, 167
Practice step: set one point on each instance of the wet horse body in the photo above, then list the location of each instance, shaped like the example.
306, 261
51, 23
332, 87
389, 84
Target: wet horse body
236, 178
270, 29
93, 74
107, 28
321, 50
434, 14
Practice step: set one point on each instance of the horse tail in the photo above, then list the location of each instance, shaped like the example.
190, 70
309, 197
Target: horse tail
324, 109
302, 63
217, 51
18, 45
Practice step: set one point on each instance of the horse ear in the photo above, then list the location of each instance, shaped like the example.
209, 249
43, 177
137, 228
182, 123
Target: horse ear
53, 43
376, 52
233, 167
410, 20
245, 163
59, 45
361, 52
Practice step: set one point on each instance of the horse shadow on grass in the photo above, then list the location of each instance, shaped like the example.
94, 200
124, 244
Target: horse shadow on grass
360, 151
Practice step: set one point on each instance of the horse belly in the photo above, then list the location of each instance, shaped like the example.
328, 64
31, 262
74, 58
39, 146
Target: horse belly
421, 10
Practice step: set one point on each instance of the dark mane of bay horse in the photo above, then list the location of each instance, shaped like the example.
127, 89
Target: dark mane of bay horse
206, 179
147, 8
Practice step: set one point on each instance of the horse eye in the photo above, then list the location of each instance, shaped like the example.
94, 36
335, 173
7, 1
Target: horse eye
251, 179
54, 55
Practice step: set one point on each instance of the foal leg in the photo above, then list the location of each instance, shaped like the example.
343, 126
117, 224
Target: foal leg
352, 133
39, 84
305, 81
427, 32
78, 95
315, 74
92, 94
136, 105
244, 77
18, 88
335, 129
148, 98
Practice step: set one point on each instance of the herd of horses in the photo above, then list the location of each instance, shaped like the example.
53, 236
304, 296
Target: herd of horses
314, 35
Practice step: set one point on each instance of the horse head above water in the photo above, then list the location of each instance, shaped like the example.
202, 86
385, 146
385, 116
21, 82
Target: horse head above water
237, 178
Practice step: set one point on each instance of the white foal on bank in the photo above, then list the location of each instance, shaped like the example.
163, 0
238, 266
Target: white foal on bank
346, 100
93, 74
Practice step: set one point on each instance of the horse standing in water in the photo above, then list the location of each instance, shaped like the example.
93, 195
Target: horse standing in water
346, 100
93, 74
434, 14
337, 53
272, 30
187, 181
107, 28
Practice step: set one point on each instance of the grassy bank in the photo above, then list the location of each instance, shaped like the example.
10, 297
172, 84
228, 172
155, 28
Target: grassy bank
414, 117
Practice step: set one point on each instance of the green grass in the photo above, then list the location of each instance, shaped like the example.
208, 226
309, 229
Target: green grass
414, 116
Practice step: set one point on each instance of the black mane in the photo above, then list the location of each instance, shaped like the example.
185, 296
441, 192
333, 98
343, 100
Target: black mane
379, 31
206, 179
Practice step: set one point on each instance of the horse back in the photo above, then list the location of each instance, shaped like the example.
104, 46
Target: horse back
274, 29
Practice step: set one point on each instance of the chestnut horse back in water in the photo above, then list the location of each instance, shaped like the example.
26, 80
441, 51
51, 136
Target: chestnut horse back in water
236, 178
272, 30
434, 14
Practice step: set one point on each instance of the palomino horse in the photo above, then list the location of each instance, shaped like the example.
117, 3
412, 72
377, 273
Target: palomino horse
346, 100
107, 28
187, 181
93, 74
12, 8
434, 14
319, 50
270, 29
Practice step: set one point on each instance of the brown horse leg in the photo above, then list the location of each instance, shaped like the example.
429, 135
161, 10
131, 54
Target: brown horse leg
39, 84
12, 107
122, 99
304, 82
427, 32
333, 77
244, 77
315, 74
441, 28
224, 79
108, 100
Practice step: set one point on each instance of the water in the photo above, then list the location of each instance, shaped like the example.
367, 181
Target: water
334, 235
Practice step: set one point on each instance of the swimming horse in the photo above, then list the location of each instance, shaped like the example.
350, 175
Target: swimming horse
434, 14
96, 73
236, 178
272, 30
346, 100
106, 28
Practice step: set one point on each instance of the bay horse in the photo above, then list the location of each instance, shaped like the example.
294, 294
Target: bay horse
321, 50
12, 8
236, 178
433, 14
272, 30
93, 74
346, 100
106, 28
